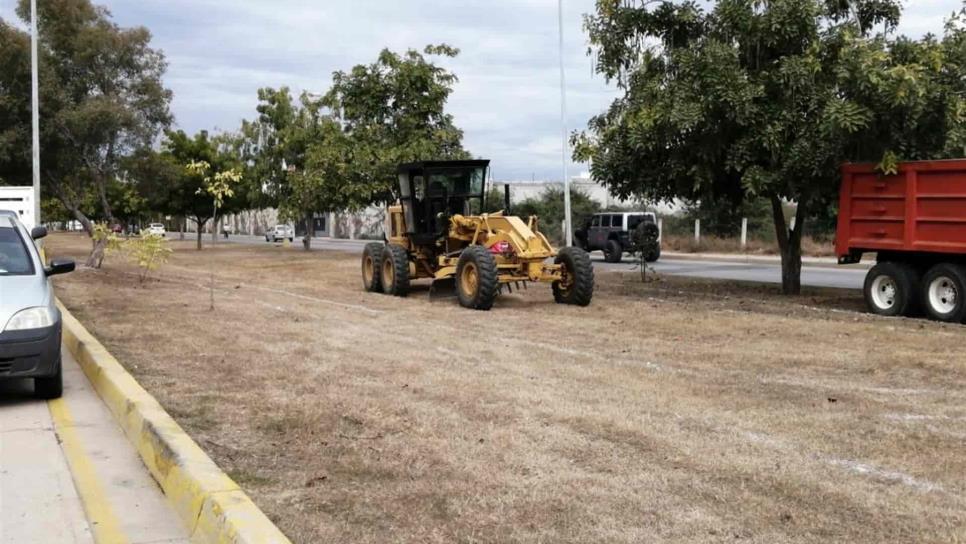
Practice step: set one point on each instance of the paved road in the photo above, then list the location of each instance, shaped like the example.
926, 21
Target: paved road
69, 475
760, 272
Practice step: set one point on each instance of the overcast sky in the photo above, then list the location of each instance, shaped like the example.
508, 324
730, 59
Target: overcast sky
507, 101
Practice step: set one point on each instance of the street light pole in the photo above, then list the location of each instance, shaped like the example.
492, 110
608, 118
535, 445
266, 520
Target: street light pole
35, 109
565, 147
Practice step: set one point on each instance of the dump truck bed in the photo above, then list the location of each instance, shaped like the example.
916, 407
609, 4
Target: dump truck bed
921, 209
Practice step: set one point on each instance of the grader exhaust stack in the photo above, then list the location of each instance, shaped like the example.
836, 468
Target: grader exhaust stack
437, 231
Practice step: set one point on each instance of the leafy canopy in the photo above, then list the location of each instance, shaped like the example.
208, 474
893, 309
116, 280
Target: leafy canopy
767, 98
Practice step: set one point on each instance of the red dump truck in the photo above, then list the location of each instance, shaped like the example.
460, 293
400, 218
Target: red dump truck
915, 224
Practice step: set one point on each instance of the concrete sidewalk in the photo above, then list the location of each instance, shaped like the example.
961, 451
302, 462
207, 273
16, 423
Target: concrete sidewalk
68, 473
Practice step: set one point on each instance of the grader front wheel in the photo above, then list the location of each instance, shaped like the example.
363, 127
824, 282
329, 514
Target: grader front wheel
577, 285
477, 282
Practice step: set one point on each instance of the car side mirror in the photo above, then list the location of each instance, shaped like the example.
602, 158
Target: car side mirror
38, 232
60, 266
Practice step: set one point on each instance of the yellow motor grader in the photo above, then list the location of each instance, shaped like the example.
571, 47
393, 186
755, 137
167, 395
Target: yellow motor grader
437, 231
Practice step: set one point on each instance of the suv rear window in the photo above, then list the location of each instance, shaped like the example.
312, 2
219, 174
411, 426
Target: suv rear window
14, 258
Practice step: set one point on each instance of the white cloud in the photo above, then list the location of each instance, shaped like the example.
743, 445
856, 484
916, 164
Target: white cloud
507, 100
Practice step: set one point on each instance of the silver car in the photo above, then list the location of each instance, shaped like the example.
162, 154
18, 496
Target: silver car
280, 232
31, 325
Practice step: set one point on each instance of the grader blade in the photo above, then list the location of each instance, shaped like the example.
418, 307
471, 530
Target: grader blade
442, 288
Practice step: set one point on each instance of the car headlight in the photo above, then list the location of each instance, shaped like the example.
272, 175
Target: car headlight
31, 318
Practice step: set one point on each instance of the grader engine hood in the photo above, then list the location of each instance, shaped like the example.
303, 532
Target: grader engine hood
492, 229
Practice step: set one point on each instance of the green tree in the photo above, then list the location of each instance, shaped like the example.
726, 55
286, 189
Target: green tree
101, 98
186, 190
549, 208
394, 111
767, 99
301, 158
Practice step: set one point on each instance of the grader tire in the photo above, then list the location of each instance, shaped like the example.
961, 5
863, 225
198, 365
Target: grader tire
578, 285
395, 271
477, 281
371, 263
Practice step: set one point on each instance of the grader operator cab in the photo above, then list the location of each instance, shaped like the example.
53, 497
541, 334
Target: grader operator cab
437, 231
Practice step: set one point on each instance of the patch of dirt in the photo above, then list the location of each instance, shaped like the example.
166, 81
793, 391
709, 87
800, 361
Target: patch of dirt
680, 410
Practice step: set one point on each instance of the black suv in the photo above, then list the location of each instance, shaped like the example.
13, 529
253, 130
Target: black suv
617, 232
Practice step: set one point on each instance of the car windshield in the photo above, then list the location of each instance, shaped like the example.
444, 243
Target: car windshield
14, 258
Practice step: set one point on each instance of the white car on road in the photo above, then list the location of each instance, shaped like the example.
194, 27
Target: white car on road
280, 232
157, 229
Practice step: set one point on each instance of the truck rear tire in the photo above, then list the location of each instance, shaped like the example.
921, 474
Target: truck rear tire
613, 252
944, 293
578, 287
477, 278
371, 261
890, 289
395, 271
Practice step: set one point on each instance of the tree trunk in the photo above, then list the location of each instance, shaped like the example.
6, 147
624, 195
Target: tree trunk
790, 244
309, 231
200, 232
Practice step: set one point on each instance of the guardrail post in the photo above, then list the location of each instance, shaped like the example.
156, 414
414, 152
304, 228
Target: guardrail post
697, 231
744, 232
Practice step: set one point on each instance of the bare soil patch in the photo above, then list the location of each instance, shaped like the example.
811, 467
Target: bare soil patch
681, 410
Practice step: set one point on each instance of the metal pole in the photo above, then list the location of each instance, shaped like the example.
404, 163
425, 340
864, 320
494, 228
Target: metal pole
35, 109
565, 148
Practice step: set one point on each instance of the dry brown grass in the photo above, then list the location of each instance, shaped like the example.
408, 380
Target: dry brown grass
714, 244
681, 410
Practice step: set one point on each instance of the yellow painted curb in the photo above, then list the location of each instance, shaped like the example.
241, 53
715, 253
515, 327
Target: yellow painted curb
212, 506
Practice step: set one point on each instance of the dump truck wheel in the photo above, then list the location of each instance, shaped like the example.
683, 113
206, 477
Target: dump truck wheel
944, 292
613, 252
890, 289
371, 263
477, 282
395, 271
577, 286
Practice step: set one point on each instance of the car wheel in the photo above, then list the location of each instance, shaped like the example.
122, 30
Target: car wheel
653, 255
613, 252
944, 293
50, 387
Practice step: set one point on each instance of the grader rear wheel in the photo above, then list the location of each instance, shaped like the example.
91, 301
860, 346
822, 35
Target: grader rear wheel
371, 261
395, 271
577, 285
477, 282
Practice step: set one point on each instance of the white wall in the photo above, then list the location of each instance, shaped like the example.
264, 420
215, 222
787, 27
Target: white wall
20, 200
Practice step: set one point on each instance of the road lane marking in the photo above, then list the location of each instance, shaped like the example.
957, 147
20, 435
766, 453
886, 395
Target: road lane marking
104, 524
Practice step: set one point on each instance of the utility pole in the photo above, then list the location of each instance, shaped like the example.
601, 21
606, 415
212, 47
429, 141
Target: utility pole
565, 147
35, 109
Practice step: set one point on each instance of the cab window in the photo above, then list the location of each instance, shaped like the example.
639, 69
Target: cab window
596, 221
